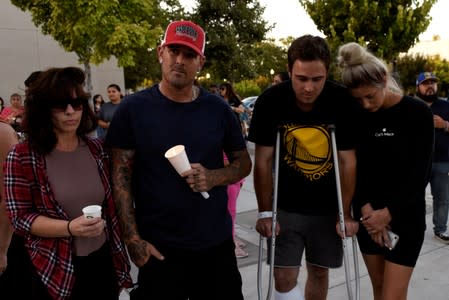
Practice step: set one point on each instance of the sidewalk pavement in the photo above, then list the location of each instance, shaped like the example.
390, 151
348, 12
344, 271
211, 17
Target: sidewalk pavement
430, 278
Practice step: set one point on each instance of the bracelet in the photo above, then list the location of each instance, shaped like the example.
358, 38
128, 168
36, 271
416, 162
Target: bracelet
265, 214
68, 228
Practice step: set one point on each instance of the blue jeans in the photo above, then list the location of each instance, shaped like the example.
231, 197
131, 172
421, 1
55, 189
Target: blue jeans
439, 185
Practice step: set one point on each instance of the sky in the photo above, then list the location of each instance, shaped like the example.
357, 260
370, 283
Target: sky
291, 19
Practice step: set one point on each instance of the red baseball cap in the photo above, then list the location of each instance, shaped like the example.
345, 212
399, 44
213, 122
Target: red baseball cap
185, 33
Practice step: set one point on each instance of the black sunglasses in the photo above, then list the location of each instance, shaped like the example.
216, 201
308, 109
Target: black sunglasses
76, 104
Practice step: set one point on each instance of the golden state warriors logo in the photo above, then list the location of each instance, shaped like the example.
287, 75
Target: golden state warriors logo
308, 150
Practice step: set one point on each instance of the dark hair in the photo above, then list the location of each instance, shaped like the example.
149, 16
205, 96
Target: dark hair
2, 104
31, 78
283, 75
230, 92
94, 98
53, 85
115, 86
309, 48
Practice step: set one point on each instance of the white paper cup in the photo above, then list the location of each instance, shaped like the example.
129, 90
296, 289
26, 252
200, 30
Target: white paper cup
92, 211
178, 158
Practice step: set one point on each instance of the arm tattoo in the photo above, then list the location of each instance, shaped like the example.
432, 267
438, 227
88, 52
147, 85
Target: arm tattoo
238, 168
122, 164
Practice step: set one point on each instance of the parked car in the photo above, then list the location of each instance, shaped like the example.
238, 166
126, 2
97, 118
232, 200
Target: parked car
249, 103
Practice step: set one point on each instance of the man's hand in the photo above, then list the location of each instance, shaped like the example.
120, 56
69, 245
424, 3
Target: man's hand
197, 178
263, 226
140, 252
351, 227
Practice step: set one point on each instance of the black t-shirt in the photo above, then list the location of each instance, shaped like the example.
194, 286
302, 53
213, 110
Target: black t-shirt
393, 162
306, 169
168, 212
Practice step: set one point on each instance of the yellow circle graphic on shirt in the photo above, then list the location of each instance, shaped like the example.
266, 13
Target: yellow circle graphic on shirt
308, 150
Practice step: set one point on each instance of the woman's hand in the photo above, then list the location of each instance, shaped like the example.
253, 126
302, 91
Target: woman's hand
376, 221
83, 227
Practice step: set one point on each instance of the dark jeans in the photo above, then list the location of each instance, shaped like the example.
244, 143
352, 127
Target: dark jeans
94, 278
439, 184
194, 275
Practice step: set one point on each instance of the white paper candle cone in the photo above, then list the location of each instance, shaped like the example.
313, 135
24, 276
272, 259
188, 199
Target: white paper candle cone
177, 156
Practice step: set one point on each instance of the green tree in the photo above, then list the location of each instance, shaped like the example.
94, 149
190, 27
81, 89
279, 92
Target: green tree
265, 57
387, 28
233, 28
97, 29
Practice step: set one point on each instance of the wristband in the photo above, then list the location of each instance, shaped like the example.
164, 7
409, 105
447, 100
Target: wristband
68, 228
265, 214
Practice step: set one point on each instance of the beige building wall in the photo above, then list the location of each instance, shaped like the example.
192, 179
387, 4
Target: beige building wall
23, 49
438, 47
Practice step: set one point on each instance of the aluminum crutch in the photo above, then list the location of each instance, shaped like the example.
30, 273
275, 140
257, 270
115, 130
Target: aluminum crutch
342, 227
273, 230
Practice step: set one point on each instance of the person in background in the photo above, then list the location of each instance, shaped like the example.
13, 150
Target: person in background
18, 261
395, 138
13, 114
2, 104
230, 96
426, 90
233, 194
8, 288
108, 109
181, 242
73, 257
280, 77
214, 89
98, 102
307, 194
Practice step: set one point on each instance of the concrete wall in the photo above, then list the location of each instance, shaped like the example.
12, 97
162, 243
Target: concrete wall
23, 49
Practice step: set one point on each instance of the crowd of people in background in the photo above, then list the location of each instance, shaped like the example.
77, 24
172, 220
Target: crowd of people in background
173, 233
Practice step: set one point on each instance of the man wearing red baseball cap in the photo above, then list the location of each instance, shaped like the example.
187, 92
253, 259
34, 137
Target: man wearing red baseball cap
181, 242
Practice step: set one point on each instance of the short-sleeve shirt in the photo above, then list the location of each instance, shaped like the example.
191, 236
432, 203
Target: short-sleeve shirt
306, 169
167, 210
106, 113
393, 161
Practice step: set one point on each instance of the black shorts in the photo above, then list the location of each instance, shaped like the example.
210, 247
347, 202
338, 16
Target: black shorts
195, 275
405, 253
316, 235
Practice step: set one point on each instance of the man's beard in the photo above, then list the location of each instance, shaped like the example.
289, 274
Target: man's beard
427, 98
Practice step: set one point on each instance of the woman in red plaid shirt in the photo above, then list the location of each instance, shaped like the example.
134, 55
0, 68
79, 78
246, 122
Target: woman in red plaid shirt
49, 178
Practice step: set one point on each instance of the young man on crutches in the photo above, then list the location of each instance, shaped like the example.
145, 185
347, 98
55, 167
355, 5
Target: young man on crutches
302, 109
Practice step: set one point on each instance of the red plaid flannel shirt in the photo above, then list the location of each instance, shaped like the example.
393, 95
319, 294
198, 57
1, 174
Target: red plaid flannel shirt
28, 195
